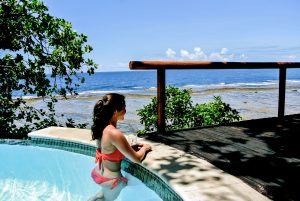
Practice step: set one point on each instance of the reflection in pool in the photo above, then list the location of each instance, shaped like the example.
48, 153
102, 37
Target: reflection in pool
37, 173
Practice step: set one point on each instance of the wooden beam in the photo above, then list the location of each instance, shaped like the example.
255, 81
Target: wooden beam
153, 65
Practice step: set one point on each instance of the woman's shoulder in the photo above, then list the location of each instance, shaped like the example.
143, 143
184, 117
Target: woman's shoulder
109, 136
111, 130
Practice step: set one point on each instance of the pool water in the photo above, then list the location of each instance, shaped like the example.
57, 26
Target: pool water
38, 173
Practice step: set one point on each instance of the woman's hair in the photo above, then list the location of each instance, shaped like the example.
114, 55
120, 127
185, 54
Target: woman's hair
103, 112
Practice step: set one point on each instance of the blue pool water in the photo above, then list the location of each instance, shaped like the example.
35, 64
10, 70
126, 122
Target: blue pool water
37, 173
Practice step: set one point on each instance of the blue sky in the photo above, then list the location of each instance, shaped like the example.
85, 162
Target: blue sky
184, 30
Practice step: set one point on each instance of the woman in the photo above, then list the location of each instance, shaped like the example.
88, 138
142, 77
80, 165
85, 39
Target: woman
112, 146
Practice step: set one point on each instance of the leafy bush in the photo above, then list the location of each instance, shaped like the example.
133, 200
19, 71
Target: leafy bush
33, 43
180, 112
214, 113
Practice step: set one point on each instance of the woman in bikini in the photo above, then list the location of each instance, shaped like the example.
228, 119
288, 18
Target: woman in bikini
112, 146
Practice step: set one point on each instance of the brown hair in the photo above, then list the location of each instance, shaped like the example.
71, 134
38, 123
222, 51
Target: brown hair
103, 112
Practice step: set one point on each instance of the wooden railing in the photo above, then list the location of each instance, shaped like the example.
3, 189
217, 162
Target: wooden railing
162, 66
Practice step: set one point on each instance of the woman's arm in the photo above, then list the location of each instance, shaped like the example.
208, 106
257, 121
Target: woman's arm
121, 143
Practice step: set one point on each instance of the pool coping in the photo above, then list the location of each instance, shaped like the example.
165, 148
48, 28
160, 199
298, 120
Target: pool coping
192, 178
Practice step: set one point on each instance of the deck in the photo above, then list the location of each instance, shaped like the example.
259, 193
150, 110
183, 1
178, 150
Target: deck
263, 153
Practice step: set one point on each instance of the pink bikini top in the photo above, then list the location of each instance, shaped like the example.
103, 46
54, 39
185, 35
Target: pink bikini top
114, 156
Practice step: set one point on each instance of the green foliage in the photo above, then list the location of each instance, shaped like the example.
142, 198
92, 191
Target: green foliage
178, 108
180, 112
32, 42
148, 116
214, 113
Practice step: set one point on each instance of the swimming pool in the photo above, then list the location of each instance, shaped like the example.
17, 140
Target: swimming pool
39, 173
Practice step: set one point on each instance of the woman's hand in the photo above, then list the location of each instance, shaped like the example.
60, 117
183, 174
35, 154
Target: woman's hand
137, 147
147, 147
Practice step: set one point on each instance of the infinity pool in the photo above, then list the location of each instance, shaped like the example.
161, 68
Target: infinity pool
38, 173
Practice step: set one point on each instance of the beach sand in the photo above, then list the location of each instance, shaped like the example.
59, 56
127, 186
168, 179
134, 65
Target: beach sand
252, 103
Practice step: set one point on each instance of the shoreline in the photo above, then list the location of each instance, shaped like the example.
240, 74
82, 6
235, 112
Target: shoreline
152, 93
252, 103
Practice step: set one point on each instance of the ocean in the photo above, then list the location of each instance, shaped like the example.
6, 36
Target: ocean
254, 93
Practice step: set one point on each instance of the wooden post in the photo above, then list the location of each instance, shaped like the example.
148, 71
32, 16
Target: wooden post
162, 66
281, 99
161, 88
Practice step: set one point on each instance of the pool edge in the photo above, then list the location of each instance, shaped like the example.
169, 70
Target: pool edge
152, 179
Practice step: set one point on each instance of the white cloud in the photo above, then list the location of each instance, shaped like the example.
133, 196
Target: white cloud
215, 56
185, 54
199, 55
292, 57
170, 53
221, 56
243, 56
224, 50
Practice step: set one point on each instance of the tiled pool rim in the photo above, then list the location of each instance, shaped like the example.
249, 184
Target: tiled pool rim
149, 178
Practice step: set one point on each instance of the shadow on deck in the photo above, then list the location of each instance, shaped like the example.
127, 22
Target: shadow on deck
263, 153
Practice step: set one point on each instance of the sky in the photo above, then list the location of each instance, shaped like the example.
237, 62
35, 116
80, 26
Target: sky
121, 31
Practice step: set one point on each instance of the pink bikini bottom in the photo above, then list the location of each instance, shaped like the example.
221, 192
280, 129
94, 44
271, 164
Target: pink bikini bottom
100, 179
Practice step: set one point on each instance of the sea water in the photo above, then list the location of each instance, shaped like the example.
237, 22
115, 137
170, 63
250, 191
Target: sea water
254, 93
144, 82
